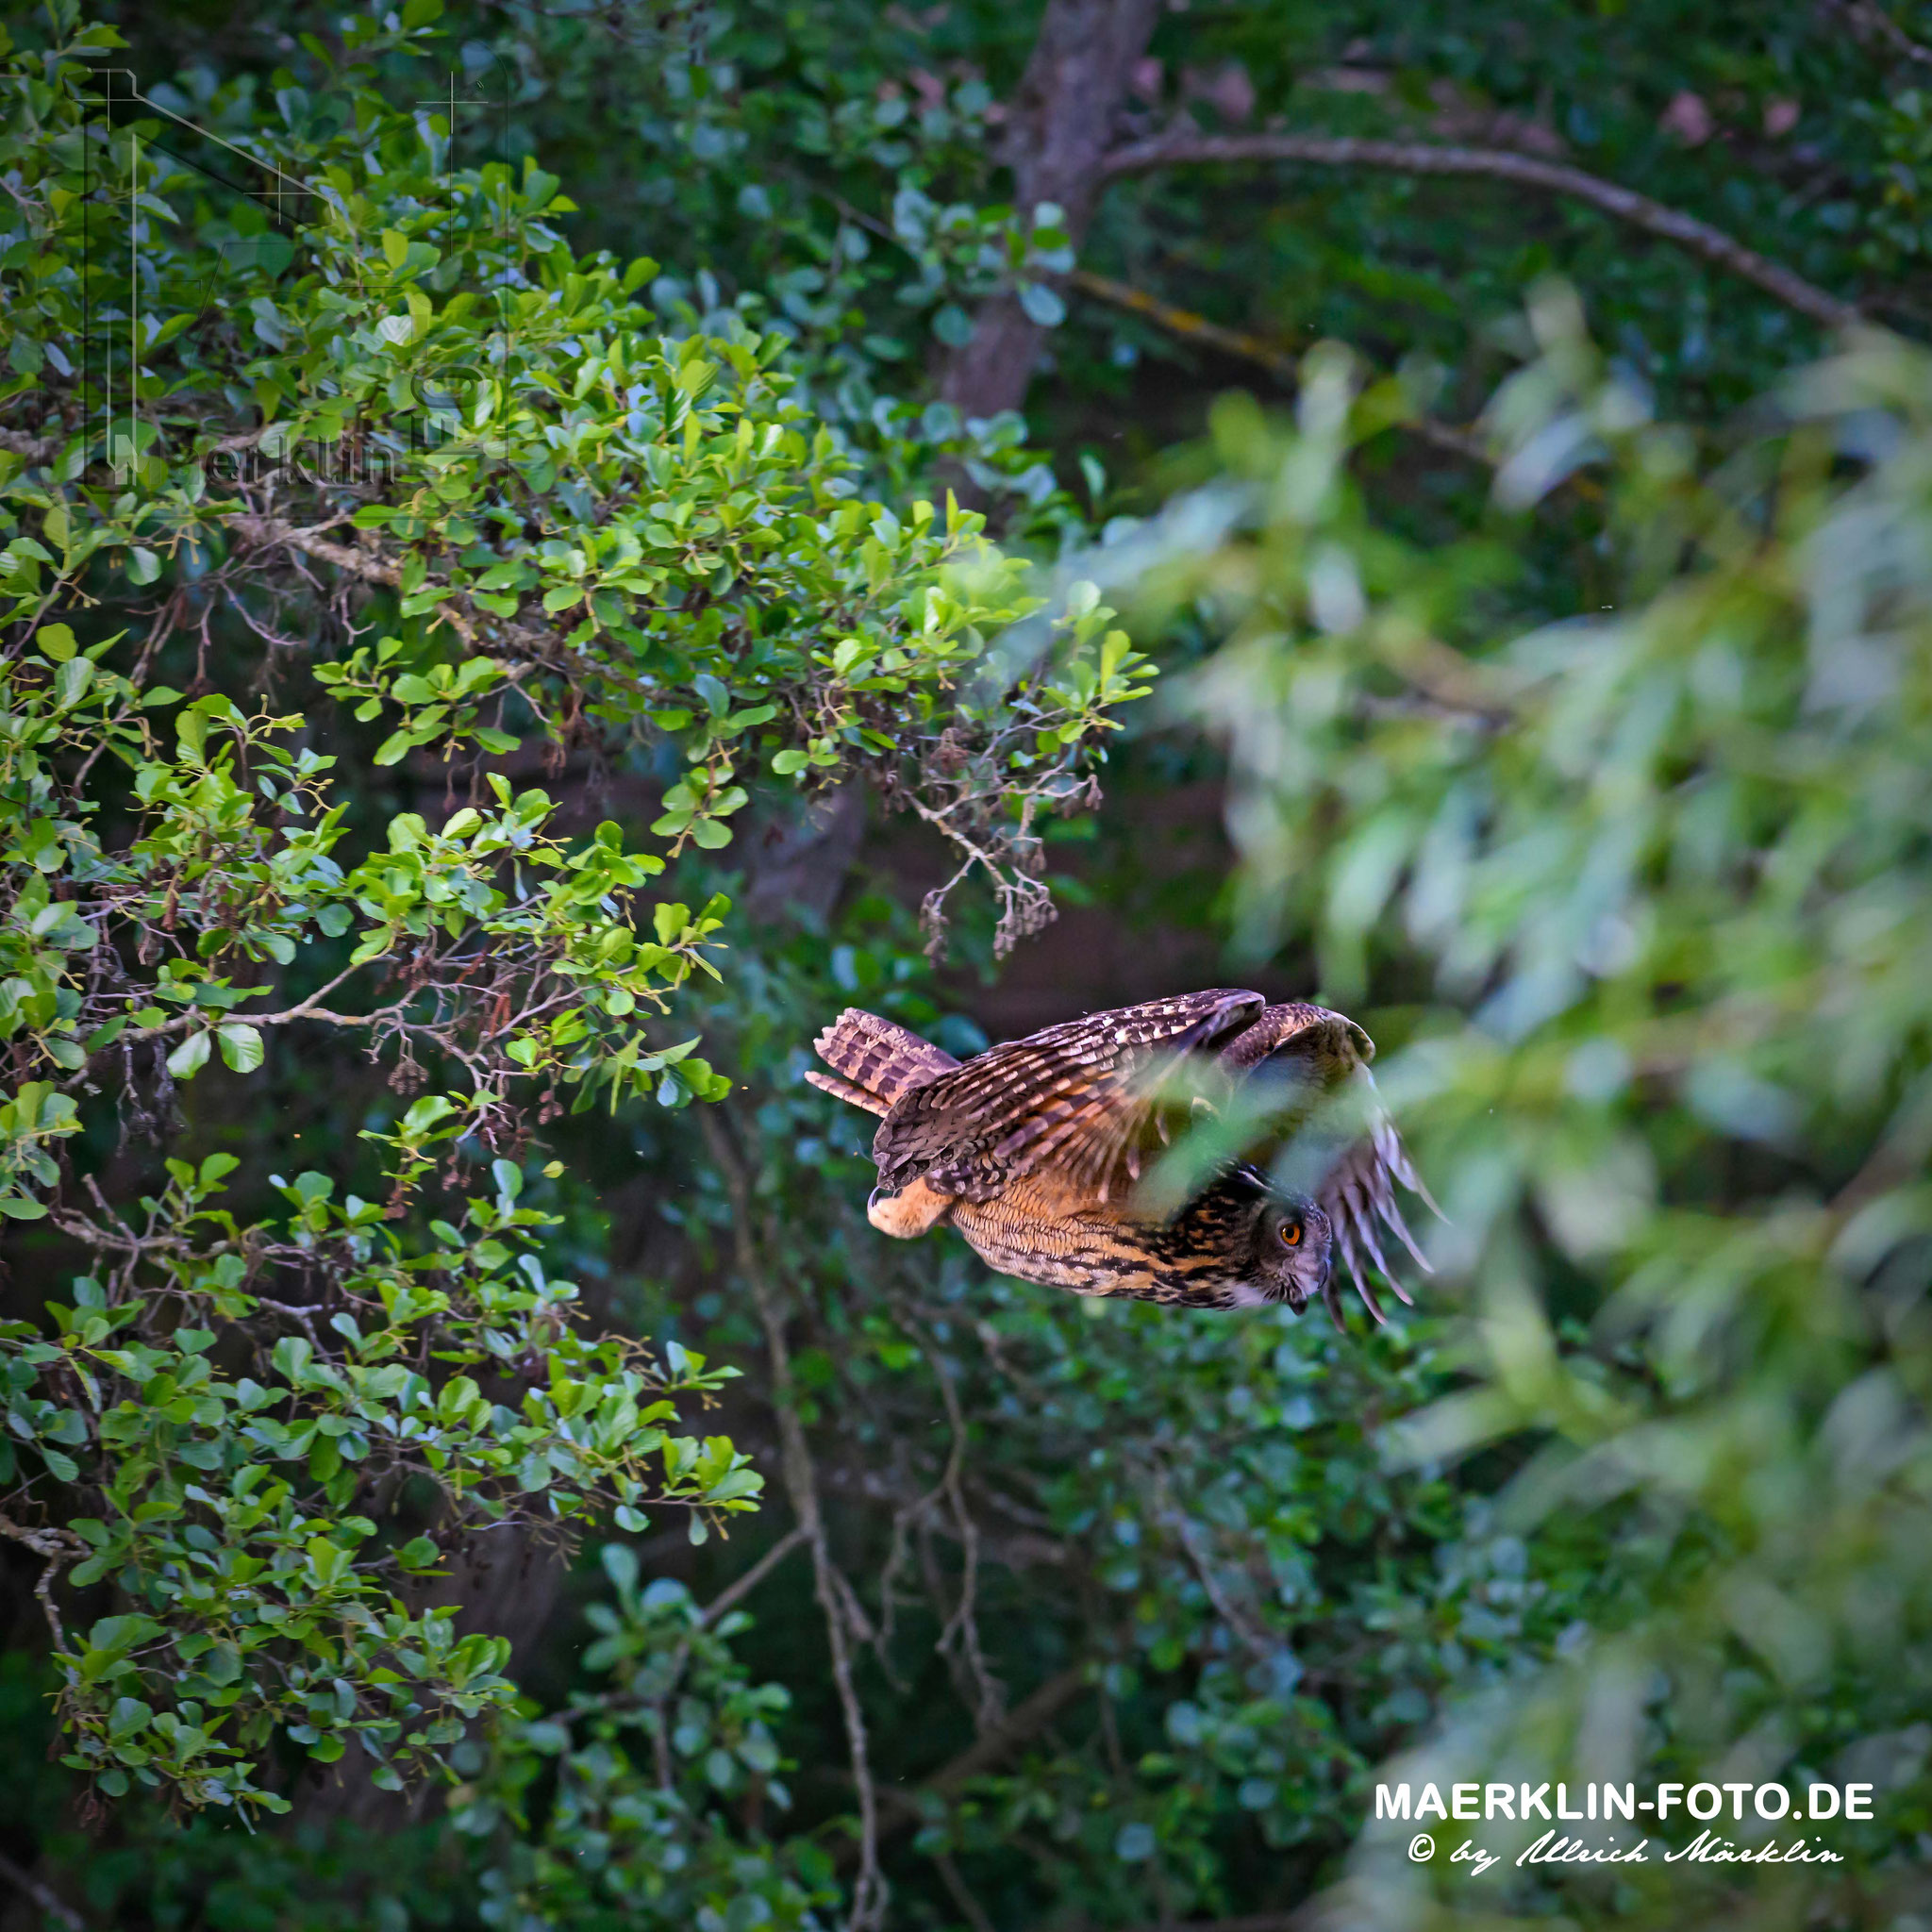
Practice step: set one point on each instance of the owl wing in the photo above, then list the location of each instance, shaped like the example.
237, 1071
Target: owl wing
1087, 1097
1322, 1053
1360, 1189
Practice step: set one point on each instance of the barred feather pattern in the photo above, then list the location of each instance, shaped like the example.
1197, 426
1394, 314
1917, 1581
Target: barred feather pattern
884, 1060
1077, 1095
1199, 1260
1034, 1148
845, 1090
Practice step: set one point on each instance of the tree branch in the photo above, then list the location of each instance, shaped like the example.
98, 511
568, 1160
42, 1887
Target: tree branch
655, 1709
801, 1483
1060, 125
970, 1908
312, 543
43, 449
55, 1908
736, 1591
962, 1625
1496, 164
1869, 22
59, 1547
1280, 364
277, 532
1031, 1714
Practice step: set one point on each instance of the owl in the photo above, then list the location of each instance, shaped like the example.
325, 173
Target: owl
1036, 1149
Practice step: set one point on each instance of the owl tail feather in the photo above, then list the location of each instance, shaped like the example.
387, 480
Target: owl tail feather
875, 1061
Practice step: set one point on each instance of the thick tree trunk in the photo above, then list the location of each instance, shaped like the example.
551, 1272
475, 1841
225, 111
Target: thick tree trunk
1060, 127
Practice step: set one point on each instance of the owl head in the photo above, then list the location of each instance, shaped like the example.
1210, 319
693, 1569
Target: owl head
1294, 1247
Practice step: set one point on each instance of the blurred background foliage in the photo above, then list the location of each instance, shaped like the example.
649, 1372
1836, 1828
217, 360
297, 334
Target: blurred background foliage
1546, 679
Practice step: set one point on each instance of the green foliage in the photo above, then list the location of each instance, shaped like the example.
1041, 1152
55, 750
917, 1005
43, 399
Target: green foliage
566, 523
1669, 855
639, 1829
247, 869
1184, 1529
450, 558
231, 1509
835, 171
634, 526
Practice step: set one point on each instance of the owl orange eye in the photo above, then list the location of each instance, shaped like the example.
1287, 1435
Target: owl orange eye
1291, 1234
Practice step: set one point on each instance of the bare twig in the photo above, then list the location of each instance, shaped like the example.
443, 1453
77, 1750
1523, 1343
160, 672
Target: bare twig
970, 1908
907, 1808
49, 1902
1280, 364
36, 449
1253, 1638
657, 1706
869, 1892
313, 542
734, 1593
59, 1547
962, 1626
1496, 164
309, 1009
1031, 1714
261, 530
1870, 23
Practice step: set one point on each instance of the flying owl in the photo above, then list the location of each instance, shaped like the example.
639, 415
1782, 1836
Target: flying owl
1035, 1149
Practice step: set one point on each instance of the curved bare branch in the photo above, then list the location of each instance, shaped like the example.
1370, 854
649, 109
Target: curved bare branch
1688, 232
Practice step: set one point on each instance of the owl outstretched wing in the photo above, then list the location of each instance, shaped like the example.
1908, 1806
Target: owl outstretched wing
1089, 1097
1317, 1055
1360, 1190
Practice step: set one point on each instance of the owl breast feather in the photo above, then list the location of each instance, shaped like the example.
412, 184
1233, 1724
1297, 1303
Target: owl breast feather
1193, 1260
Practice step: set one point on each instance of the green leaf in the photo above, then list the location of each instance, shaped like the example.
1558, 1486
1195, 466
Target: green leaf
242, 1047
114, 1634
191, 1056
427, 1112
1042, 305
952, 326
